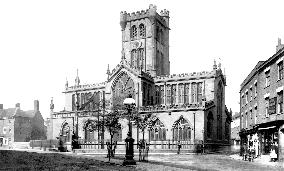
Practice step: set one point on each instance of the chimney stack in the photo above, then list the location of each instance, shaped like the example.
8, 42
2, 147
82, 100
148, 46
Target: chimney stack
36, 105
18, 105
279, 46
1, 106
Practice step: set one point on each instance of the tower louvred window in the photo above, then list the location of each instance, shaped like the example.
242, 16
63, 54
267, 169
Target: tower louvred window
133, 32
142, 31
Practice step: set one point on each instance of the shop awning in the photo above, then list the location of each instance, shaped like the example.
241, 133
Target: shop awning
270, 127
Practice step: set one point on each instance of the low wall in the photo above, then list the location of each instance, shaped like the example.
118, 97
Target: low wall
20, 145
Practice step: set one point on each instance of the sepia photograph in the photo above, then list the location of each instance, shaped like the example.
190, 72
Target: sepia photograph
146, 85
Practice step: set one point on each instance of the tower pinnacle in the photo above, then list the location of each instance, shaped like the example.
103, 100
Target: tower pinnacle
77, 80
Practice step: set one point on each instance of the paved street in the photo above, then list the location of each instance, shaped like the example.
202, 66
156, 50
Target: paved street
43, 160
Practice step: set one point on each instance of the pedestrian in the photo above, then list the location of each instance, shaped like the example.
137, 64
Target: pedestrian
140, 150
179, 147
114, 147
108, 150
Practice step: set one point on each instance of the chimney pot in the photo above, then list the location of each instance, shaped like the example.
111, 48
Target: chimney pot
36, 105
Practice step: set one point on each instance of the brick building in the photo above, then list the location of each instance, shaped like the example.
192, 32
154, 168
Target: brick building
186, 107
17, 125
261, 107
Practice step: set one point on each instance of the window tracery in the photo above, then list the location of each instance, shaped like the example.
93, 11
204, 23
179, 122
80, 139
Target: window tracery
181, 130
157, 131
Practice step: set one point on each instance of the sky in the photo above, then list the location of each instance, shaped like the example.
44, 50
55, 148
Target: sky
43, 43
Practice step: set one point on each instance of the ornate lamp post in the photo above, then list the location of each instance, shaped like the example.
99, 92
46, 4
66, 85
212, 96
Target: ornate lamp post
129, 103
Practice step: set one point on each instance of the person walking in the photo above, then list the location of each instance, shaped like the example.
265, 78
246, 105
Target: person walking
179, 147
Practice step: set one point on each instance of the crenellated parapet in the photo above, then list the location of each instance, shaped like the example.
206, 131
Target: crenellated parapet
177, 107
150, 12
85, 87
184, 76
165, 13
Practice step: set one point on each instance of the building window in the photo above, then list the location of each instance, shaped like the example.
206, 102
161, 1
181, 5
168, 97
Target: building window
280, 70
280, 102
246, 118
266, 107
181, 93
243, 100
133, 63
186, 92
157, 95
181, 130
4, 130
140, 59
133, 32
199, 92
267, 79
251, 116
193, 92
255, 89
255, 114
73, 102
162, 94
169, 94
157, 131
174, 92
247, 100
250, 93
142, 32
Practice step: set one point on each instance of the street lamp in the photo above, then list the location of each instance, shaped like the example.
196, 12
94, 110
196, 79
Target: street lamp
129, 103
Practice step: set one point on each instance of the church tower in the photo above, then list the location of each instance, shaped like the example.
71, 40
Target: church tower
145, 40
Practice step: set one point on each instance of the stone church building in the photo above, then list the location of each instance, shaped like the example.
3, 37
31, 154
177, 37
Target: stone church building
188, 107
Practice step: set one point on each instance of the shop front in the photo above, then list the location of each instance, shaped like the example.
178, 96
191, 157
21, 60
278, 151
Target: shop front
264, 139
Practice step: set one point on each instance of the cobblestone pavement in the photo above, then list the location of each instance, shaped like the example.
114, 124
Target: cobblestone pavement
157, 162
196, 162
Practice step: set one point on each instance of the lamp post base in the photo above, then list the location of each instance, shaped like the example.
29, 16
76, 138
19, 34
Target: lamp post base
129, 162
129, 151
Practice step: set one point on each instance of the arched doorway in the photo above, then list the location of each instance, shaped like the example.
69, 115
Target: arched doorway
65, 132
89, 128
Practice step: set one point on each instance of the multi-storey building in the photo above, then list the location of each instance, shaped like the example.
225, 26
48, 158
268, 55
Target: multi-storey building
261, 106
185, 107
17, 125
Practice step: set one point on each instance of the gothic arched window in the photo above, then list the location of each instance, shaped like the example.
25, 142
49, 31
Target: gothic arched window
133, 60
209, 125
142, 30
181, 130
133, 32
122, 87
157, 131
